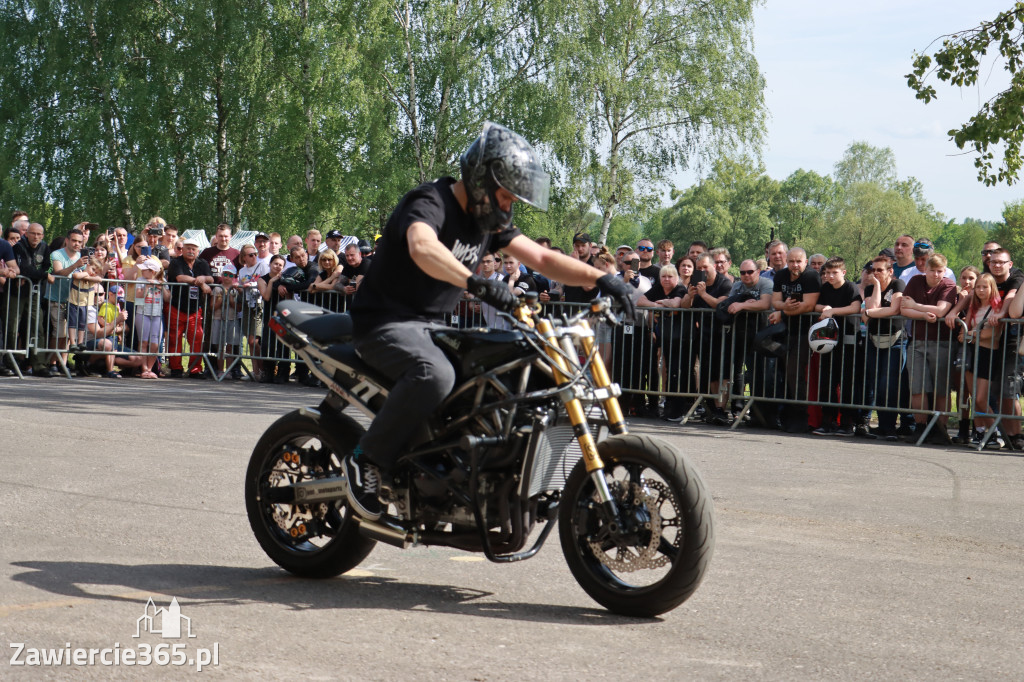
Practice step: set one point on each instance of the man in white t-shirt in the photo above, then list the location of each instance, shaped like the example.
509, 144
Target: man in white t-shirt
923, 250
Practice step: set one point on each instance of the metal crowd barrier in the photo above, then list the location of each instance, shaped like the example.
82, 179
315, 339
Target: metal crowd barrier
16, 313
682, 356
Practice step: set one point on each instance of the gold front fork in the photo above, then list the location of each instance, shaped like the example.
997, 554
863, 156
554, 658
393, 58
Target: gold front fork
573, 406
612, 409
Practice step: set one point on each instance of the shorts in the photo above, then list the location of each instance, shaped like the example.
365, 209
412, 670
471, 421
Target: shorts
78, 317
59, 320
252, 321
929, 364
149, 328
232, 333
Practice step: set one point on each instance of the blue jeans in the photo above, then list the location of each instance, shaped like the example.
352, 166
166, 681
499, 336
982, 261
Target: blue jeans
883, 375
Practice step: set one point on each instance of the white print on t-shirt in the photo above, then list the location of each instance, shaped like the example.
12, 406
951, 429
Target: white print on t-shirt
465, 253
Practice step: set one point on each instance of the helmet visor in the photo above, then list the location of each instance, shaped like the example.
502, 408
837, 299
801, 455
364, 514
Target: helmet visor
527, 182
825, 332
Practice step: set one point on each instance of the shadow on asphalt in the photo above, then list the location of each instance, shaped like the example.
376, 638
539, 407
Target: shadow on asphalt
227, 585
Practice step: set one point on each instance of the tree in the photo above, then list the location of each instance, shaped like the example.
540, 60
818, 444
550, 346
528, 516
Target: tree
961, 243
863, 163
804, 205
1010, 234
657, 85
731, 208
960, 62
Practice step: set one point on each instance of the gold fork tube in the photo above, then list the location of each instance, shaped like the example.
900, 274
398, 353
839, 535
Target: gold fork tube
573, 407
612, 409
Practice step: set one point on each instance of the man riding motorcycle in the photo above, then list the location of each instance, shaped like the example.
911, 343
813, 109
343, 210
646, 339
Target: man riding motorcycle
425, 259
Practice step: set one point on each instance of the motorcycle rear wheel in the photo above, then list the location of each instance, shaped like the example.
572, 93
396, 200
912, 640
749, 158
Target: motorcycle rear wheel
313, 540
660, 560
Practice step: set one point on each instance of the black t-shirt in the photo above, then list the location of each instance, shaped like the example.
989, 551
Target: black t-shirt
575, 294
525, 283
1012, 283
721, 287
353, 272
187, 296
885, 325
652, 272
840, 298
395, 288
657, 293
807, 283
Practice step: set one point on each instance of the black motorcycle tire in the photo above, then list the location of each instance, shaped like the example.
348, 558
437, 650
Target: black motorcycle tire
695, 523
348, 548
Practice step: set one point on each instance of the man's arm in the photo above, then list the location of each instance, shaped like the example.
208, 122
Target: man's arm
64, 272
551, 264
433, 257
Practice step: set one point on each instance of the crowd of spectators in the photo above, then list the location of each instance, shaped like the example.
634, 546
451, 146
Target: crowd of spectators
907, 335
154, 304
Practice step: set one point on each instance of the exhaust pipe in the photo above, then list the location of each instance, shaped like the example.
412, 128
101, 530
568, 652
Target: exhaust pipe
385, 532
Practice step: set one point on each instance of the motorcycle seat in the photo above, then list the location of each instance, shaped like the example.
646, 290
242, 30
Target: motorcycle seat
322, 326
346, 355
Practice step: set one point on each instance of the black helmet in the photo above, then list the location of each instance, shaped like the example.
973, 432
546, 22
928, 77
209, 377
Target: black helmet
364, 247
501, 158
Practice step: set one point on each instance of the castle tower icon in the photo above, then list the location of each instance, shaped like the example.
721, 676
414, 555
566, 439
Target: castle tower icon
163, 622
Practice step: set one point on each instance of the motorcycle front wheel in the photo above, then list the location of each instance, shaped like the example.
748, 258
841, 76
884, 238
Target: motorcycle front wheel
318, 540
661, 552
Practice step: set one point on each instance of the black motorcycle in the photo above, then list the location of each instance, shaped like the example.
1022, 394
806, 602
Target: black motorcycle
531, 435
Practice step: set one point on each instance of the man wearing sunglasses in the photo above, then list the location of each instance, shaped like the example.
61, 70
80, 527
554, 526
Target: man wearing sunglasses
645, 251
986, 255
923, 250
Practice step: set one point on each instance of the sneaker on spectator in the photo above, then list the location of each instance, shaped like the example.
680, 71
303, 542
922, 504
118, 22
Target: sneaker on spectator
54, 371
197, 374
673, 417
177, 373
1016, 441
844, 431
906, 428
824, 431
880, 433
862, 431
236, 374
996, 442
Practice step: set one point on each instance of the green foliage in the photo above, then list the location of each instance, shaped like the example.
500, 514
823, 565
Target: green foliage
1000, 120
1010, 234
961, 243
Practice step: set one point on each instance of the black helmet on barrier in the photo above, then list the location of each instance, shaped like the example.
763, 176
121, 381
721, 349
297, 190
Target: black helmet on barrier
771, 340
501, 158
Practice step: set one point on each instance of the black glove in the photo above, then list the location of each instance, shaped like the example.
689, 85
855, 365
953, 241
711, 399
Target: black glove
492, 291
622, 293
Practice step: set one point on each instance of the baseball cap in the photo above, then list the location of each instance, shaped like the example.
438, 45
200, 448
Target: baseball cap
334, 234
149, 264
117, 290
261, 235
192, 241
582, 238
620, 247
228, 271
888, 253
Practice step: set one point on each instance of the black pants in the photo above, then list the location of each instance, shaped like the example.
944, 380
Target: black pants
404, 352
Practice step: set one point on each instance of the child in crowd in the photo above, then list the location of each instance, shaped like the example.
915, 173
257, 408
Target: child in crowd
839, 298
968, 276
984, 329
227, 308
150, 292
82, 295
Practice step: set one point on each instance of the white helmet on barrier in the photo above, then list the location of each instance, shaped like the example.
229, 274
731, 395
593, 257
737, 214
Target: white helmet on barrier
823, 336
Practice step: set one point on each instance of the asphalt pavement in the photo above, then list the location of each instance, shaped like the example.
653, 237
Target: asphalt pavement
835, 559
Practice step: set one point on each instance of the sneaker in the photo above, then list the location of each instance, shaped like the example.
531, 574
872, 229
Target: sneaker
54, 371
236, 374
939, 436
112, 375
824, 431
197, 374
996, 442
177, 373
716, 416
1017, 441
363, 482
906, 428
880, 433
673, 417
844, 432
862, 431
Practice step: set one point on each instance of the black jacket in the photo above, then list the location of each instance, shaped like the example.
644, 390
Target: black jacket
33, 263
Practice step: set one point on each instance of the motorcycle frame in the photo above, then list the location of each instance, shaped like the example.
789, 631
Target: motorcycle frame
559, 357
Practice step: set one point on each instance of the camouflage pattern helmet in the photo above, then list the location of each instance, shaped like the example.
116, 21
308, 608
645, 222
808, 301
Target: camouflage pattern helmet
501, 158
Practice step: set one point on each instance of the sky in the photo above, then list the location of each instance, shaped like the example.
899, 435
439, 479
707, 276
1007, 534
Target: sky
835, 74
